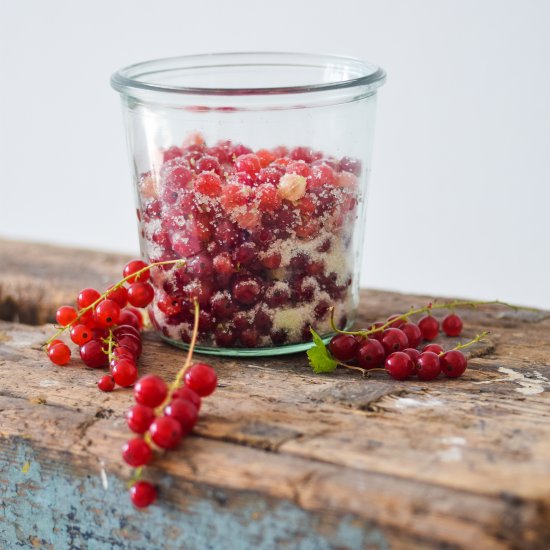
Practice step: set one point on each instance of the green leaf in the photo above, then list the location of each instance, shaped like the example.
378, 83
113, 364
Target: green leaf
319, 356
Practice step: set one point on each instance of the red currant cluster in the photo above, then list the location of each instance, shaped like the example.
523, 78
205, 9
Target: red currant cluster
264, 232
394, 344
162, 416
106, 327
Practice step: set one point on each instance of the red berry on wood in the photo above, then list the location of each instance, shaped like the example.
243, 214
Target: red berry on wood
53, 343
93, 354
87, 297
60, 354
137, 452
128, 317
413, 333
166, 432
106, 313
434, 348
394, 339
428, 366
150, 390
413, 353
370, 354
118, 295
343, 347
184, 412
189, 395
139, 418
124, 372
106, 383
453, 363
452, 325
429, 326
143, 494
133, 267
140, 294
65, 315
80, 334
399, 365
202, 379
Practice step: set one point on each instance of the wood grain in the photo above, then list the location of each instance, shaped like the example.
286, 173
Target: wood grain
328, 461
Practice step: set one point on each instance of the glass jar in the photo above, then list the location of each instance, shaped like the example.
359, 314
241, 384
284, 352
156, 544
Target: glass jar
252, 167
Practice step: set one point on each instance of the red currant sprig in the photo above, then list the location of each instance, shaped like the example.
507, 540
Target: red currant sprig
393, 344
163, 415
106, 327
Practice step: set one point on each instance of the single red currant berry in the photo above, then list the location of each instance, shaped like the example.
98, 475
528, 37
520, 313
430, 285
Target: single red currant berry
53, 343
189, 395
453, 363
208, 184
184, 412
434, 348
130, 342
247, 290
249, 337
166, 432
150, 390
429, 326
65, 315
413, 353
343, 347
427, 366
202, 379
137, 452
93, 355
106, 313
370, 354
60, 354
140, 294
125, 373
399, 365
143, 494
139, 418
128, 317
452, 325
118, 295
394, 339
80, 334
133, 267
138, 316
124, 330
413, 333
87, 297
106, 383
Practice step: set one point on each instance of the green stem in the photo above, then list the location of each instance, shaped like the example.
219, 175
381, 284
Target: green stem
84, 310
473, 341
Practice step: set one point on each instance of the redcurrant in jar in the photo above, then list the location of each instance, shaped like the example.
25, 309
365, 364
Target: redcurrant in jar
253, 168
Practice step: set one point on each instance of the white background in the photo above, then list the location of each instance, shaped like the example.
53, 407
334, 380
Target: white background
460, 190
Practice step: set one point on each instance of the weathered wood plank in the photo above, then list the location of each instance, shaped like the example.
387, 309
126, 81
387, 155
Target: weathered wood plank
286, 459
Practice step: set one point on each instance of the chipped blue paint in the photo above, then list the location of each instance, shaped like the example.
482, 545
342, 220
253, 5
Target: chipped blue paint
44, 508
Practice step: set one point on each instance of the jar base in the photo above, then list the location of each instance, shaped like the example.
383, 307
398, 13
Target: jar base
248, 352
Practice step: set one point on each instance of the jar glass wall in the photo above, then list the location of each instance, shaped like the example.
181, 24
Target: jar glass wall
254, 169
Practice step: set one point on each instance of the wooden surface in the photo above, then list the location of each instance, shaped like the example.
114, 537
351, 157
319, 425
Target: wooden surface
281, 458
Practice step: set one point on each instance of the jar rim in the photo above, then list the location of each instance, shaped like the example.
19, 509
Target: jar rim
353, 72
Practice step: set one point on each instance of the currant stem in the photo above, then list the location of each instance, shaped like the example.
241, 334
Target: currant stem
426, 309
478, 338
351, 367
110, 341
81, 312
